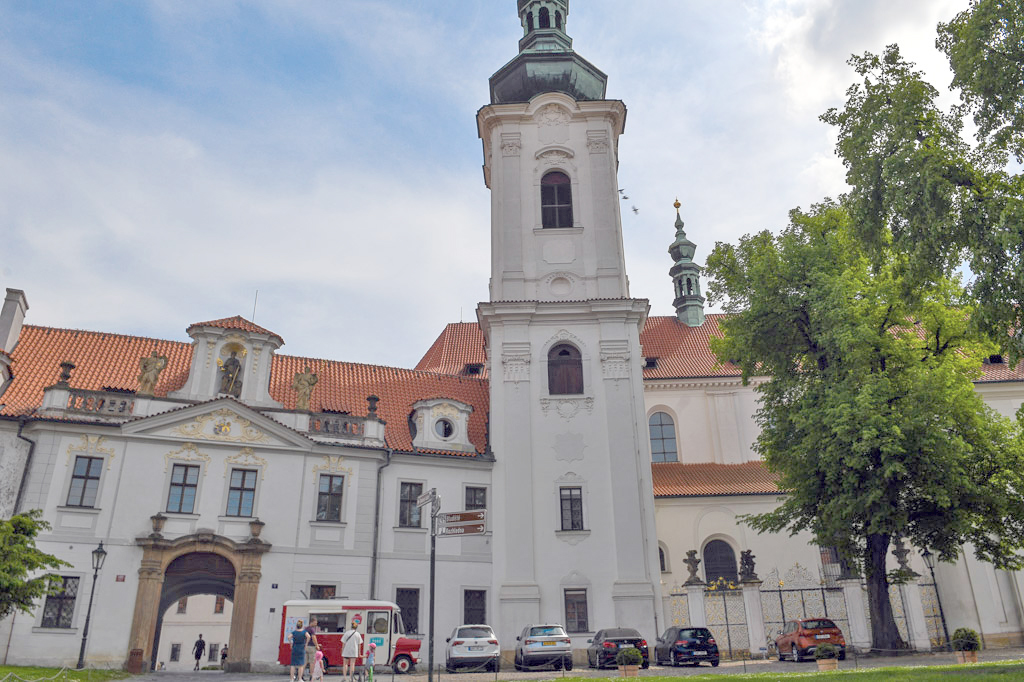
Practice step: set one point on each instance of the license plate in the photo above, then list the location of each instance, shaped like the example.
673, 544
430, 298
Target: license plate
547, 643
476, 648
822, 636
700, 653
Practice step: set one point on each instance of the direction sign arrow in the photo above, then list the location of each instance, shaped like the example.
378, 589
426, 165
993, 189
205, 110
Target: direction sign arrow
477, 515
465, 529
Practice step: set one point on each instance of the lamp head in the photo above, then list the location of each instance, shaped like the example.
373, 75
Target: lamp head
929, 558
99, 555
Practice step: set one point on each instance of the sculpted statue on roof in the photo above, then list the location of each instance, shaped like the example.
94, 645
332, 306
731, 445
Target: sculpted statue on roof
303, 385
150, 367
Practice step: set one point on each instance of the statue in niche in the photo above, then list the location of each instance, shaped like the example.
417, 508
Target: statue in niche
303, 385
747, 574
149, 372
692, 562
231, 375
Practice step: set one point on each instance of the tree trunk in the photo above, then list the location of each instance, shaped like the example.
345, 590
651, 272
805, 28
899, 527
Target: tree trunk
884, 633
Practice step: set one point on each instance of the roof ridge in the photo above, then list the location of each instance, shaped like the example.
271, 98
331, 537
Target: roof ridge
99, 333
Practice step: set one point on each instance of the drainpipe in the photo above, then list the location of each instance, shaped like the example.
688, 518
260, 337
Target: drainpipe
28, 464
376, 523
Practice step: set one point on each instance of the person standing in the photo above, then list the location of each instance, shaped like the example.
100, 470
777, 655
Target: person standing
198, 649
351, 642
299, 639
312, 646
223, 655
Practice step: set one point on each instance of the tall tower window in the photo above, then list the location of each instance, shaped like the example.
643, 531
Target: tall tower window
529, 21
719, 561
663, 438
556, 200
558, 20
545, 17
565, 370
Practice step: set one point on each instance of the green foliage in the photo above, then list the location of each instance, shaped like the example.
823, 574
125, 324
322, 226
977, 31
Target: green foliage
869, 415
826, 651
918, 186
22, 580
966, 639
630, 656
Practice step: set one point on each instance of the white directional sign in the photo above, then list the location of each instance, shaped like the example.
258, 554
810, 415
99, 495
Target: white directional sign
426, 497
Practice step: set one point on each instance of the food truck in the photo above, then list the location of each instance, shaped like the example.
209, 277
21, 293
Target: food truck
379, 622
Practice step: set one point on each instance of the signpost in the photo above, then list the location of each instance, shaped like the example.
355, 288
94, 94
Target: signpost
449, 524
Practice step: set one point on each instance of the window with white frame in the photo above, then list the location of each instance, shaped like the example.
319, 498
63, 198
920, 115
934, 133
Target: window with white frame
476, 498
408, 600
85, 482
474, 606
572, 507
663, 438
181, 499
576, 610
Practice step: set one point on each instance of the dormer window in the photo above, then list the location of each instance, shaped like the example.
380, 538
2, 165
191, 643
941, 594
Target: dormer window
994, 360
473, 369
556, 200
650, 363
441, 424
444, 429
544, 17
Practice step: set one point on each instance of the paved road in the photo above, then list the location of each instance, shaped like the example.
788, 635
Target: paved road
726, 668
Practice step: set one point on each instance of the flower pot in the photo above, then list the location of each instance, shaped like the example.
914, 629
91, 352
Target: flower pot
629, 671
828, 664
967, 657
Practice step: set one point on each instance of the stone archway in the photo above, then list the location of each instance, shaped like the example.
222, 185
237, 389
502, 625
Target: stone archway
199, 563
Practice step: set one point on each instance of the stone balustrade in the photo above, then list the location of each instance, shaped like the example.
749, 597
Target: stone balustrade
337, 425
102, 403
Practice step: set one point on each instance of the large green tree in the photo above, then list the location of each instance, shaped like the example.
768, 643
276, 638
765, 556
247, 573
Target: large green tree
23, 579
918, 180
869, 414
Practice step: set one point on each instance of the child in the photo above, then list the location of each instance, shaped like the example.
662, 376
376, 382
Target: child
318, 668
368, 663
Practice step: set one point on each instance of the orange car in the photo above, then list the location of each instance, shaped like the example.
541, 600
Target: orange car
799, 638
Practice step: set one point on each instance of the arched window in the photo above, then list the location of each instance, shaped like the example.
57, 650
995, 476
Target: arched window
556, 200
719, 561
565, 370
689, 287
545, 18
558, 20
661, 559
663, 438
529, 21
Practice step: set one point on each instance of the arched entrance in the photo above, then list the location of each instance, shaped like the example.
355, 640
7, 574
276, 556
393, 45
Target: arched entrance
191, 575
201, 563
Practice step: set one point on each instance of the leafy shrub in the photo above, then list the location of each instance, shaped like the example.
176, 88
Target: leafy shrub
826, 651
966, 639
630, 656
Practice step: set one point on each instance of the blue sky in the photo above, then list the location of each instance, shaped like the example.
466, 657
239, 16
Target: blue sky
161, 160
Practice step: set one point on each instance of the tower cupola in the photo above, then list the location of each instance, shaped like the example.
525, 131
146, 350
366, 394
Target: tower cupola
546, 61
689, 304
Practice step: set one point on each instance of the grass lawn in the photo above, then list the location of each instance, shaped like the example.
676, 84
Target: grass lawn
1003, 671
34, 673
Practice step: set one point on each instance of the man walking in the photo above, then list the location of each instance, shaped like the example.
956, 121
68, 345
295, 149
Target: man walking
312, 646
198, 649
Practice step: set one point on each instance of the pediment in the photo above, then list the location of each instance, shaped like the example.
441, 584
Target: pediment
219, 421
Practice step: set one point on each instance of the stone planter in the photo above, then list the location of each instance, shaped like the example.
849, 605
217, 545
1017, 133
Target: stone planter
828, 664
629, 671
967, 657
158, 520
255, 528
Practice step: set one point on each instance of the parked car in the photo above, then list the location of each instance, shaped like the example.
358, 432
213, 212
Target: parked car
678, 645
800, 638
606, 644
472, 646
543, 645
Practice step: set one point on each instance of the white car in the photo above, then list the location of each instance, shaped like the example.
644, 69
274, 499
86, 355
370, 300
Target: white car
543, 645
472, 646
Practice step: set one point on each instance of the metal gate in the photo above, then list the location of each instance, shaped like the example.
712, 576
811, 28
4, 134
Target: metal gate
726, 617
932, 615
799, 595
677, 608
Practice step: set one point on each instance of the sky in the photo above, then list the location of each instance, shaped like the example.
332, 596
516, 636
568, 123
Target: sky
162, 161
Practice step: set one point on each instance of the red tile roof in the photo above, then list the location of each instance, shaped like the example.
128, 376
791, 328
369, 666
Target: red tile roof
460, 344
682, 351
112, 361
236, 322
674, 479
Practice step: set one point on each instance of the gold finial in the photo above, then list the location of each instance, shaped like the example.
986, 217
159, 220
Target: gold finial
677, 204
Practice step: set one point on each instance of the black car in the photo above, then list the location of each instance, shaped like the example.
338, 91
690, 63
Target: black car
686, 645
607, 643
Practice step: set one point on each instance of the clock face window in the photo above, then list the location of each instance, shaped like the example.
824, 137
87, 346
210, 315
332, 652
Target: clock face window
444, 428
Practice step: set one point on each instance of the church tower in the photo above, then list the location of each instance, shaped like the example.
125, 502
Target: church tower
689, 304
572, 507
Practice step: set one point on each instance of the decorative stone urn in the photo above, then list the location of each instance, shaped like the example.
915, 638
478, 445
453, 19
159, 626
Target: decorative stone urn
158, 521
255, 528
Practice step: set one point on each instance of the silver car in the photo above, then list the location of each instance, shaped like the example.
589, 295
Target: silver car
472, 646
543, 645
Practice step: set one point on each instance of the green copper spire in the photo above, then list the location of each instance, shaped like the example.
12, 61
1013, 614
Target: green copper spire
546, 61
689, 304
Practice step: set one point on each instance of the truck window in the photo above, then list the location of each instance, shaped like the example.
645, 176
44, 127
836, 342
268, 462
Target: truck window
377, 622
330, 622
399, 625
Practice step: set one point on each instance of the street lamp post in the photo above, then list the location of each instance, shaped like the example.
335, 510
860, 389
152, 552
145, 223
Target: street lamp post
98, 556
929, 561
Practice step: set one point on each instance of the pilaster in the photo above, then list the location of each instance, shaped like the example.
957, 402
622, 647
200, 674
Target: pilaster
856, 613
755, 615
695, 604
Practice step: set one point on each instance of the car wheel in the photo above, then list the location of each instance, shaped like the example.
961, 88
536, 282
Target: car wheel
518, 664
449, 668
568, 663
842, 654
646, 665
779, 651
402, 665
797, 658
496, 665
675, 661
714, 664
557, 664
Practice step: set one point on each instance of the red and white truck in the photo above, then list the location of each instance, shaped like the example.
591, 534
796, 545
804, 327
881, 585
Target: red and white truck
379, 622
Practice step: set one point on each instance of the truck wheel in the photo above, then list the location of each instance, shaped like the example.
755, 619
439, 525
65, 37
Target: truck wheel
402, 664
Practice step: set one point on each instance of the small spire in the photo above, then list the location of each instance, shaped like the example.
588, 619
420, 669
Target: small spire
679, 220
